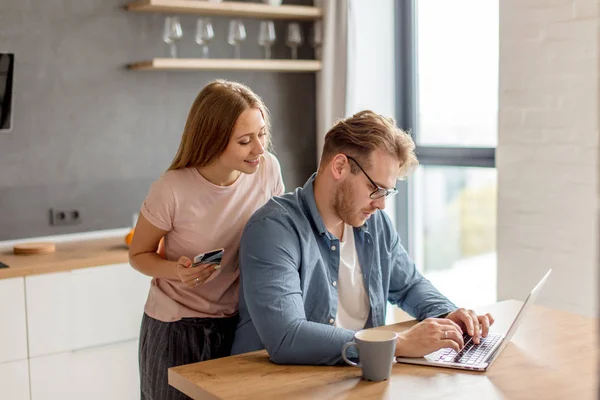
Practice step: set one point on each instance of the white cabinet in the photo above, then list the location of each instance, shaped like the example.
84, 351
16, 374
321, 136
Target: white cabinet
13, 328
82, 330
84, 308
14, 380
106, 372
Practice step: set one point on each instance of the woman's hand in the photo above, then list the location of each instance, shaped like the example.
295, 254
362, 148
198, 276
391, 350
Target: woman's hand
194, 276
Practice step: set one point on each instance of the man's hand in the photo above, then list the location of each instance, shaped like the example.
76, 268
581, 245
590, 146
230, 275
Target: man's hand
475, 325
428, 336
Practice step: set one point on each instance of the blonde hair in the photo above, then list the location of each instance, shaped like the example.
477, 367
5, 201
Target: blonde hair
211, 120
359, 135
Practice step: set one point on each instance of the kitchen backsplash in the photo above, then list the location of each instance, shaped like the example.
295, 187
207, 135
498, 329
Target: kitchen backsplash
90, 135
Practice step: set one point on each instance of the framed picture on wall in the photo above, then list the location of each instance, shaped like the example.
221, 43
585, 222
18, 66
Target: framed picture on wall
7, 66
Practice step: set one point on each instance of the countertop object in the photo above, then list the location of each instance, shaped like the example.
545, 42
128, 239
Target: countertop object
67, 256
34, 248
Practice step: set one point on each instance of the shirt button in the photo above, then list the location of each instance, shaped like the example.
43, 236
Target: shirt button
333, 248
334, 283
331, 320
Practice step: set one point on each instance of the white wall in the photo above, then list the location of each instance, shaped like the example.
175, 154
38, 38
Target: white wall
371, 69
548, 151
371, 73
372, 46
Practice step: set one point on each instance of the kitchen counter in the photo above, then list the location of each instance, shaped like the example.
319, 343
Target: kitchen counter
68, 256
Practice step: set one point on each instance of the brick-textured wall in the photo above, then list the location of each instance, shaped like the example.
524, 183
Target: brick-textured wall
548, 151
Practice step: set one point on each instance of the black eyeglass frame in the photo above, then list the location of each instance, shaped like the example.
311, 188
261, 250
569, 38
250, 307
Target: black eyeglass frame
379, 192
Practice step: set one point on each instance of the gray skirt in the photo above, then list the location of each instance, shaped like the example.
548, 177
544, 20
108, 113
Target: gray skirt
168, 344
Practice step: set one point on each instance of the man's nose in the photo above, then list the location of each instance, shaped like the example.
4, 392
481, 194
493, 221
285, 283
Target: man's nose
379, 203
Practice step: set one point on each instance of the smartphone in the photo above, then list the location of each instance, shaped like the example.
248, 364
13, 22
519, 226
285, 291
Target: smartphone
213, 257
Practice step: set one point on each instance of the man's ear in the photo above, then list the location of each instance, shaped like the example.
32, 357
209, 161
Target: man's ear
338, 165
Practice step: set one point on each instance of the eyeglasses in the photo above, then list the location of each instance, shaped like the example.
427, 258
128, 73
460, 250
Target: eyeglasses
379, 192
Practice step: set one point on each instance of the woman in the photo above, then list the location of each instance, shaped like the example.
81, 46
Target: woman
221, 174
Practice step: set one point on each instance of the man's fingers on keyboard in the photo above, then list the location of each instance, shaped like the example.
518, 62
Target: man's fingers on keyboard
468, 321
451, 323
476, 327
456, 337
450, 344
485, 325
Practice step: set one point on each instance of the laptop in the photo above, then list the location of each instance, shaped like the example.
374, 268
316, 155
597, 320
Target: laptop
477, 357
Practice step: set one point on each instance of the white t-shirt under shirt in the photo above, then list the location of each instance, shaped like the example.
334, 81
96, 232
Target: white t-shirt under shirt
353, 301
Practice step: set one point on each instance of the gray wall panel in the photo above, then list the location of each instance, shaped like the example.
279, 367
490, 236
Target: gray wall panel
90, 134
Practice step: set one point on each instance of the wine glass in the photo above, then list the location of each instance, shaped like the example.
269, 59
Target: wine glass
172, 34
316, 38
294, 38
267, 36
204, 34
237, 34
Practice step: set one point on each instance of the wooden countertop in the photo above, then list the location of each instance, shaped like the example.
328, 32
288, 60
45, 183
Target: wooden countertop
553, 355
68, 256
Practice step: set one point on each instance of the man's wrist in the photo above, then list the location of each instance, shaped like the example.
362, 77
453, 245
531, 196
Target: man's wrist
399, 345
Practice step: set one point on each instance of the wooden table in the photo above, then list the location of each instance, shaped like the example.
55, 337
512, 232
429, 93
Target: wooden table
553, 355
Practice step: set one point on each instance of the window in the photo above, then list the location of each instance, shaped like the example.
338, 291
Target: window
447, 96
457, 72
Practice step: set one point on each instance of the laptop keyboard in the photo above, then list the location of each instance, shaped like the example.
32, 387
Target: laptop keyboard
471, 354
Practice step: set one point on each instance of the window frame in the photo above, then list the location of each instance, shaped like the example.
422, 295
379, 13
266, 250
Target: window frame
406, 95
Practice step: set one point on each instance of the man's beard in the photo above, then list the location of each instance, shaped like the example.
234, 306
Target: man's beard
343, 204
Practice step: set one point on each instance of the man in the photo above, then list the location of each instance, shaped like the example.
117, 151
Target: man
320, 263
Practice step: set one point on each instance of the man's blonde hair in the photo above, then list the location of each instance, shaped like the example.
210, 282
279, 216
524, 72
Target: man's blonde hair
364, 132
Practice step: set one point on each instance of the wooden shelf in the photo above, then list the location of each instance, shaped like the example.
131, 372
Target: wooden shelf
191, 64
226, 8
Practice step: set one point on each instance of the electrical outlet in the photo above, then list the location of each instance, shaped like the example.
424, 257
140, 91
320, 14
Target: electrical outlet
60, 217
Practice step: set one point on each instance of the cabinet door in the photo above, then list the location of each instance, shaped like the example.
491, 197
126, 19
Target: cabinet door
13, 331
84, 308
100, 373
14, 380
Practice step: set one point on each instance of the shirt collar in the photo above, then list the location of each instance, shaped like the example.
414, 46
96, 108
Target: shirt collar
308, 197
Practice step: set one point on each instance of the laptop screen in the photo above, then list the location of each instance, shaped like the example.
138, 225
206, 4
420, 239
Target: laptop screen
517, 321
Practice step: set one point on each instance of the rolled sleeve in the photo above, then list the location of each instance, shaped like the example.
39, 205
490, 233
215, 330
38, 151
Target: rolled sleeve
269, 263
159, 206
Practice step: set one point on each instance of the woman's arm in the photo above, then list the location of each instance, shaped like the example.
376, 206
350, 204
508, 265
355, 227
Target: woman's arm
147, 256
143, 254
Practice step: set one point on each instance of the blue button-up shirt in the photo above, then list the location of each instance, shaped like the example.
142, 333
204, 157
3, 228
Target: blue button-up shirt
288, 263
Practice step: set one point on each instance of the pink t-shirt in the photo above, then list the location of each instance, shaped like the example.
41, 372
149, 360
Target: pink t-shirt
201, 216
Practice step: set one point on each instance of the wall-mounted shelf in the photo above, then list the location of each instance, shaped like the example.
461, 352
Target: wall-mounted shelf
195, 64
226, 8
